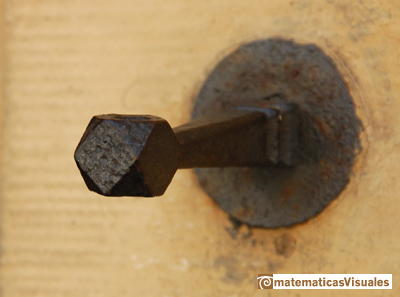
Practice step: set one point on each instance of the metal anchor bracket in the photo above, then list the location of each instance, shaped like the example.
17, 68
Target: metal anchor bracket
273, 138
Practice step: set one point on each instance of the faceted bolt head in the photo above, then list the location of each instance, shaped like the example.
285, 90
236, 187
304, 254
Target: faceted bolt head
121, 155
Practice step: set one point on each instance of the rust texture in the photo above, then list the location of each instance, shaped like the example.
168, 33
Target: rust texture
276, 71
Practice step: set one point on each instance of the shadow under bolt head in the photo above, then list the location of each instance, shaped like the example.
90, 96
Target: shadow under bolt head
117, 151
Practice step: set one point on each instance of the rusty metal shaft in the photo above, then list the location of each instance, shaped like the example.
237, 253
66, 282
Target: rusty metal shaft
121, 155
236, 138
242, 137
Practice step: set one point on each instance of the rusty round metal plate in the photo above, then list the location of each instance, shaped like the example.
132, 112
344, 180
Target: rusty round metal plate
277, 70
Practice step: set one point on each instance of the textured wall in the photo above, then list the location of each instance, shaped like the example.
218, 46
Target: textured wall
69, 60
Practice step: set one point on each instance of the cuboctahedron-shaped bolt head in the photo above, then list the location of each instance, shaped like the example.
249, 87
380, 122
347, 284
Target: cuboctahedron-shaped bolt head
128, 155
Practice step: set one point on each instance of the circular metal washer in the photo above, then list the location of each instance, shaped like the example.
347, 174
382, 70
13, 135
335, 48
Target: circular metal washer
277, 70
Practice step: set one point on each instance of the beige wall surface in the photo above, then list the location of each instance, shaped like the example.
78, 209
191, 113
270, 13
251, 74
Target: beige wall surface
69, 60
